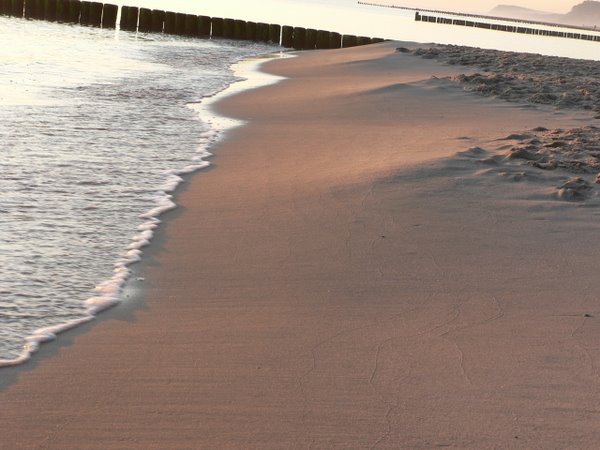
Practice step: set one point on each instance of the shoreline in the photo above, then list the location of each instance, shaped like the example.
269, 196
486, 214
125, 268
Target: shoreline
114, 291
345, 277
249, 74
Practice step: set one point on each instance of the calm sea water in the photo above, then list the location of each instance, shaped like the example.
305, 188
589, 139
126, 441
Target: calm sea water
95, 127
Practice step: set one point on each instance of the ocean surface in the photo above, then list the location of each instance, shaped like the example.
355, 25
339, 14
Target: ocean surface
95, 128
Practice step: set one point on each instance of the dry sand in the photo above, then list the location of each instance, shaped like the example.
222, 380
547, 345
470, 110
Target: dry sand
518, 77
364, 266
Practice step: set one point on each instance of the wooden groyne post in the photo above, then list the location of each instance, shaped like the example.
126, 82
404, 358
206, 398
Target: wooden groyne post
109, 16
129, 18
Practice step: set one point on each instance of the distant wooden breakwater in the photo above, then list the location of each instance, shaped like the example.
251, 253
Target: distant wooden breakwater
146, 20
480, 16
506, 28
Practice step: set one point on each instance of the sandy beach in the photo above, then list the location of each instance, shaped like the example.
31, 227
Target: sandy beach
374, 261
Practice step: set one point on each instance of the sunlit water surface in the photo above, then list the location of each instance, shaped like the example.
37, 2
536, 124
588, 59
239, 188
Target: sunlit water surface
95, 127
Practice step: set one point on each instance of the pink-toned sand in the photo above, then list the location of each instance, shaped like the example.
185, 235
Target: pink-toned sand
342, 278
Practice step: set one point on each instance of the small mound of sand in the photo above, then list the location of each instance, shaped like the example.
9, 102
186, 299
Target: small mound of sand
523, 153
492, 160
473, 152
574, 190
517, 137
514, 176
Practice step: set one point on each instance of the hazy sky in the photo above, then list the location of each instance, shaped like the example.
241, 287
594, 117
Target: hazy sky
473, 6
561, 6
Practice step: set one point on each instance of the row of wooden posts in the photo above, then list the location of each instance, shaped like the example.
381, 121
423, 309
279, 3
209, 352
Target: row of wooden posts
507, 28
66, 11
145, 20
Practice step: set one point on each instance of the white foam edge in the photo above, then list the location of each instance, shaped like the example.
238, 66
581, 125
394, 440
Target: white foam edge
249, 76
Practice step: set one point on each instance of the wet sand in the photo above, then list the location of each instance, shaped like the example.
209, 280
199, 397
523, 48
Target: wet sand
349, 274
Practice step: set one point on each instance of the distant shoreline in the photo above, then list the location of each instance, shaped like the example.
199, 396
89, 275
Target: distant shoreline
483, 16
